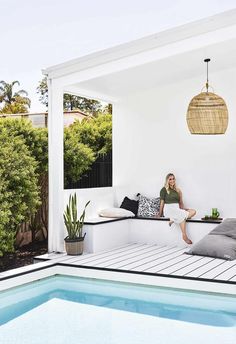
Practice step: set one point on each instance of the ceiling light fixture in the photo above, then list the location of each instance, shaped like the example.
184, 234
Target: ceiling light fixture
207, 112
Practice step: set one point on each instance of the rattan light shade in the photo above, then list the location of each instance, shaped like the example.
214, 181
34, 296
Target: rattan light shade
207, 114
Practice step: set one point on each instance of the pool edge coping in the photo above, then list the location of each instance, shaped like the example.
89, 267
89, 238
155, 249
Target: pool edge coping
135, 277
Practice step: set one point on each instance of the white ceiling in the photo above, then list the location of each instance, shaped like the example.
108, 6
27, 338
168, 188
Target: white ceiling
165, 71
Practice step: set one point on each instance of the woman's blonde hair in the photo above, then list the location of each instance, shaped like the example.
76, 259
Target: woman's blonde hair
167, 186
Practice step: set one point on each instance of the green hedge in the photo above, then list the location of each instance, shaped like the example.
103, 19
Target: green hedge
24, 160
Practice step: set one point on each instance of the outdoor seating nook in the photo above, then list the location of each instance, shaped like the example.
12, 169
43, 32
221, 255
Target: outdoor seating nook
150, 83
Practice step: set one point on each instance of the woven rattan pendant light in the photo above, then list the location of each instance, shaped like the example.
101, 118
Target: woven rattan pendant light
207, 113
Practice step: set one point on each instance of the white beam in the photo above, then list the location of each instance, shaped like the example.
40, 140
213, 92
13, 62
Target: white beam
56, 167
147, 56
184, 32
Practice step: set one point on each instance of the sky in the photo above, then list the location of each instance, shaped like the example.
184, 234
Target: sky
36, 34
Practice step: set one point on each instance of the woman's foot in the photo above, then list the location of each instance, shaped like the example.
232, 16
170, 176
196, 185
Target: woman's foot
187, 240
171, 223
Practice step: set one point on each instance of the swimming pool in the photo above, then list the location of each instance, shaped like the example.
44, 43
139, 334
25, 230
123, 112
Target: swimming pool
63, 309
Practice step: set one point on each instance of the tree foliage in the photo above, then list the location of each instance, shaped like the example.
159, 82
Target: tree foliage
70, 102
78, 157
19, 188
42, 90
95, 132
90, 106
36, 139
13, 102
24, 165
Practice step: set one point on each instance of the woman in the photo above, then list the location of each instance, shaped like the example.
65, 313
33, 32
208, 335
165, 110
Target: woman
173, 207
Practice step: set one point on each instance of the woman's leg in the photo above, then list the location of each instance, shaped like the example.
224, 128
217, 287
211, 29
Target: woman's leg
191, 213
184, 234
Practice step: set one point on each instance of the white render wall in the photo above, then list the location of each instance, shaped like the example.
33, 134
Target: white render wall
100, 198
151, 138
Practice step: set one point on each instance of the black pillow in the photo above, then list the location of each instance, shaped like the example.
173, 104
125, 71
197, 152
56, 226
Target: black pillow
130, 204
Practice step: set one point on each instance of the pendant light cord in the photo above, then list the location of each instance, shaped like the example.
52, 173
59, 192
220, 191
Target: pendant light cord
207, 83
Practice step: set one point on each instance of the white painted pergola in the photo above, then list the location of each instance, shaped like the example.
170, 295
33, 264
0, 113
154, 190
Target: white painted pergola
125, 72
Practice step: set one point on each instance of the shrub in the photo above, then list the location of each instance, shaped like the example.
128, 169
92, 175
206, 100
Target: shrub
36, 139
24, 165
95, 132
77, 157
19, 192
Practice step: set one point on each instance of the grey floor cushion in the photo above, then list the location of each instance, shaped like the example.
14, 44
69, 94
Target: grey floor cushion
227, 227
217, 246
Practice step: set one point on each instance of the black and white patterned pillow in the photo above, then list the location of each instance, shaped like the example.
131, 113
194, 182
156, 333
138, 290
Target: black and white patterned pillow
148, 207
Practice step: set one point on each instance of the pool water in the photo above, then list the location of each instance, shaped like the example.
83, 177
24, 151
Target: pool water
203, 308
62, 298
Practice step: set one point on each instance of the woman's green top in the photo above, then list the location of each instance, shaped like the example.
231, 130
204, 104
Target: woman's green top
171, 197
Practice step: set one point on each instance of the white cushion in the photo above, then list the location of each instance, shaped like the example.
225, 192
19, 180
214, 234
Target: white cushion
116, 212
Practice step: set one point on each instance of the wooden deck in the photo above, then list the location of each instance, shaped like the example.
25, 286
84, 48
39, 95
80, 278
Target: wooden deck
152, 259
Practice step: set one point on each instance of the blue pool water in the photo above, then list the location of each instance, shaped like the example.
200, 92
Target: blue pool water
199, 308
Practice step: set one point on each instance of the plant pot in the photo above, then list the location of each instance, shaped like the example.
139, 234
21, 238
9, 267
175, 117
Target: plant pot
74, 247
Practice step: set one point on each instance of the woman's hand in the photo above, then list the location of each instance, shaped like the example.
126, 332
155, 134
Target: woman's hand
157, 215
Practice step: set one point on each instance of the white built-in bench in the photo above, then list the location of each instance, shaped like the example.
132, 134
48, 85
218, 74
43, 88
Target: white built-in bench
104, 234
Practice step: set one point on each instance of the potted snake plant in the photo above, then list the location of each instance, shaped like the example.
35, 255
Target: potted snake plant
74, 242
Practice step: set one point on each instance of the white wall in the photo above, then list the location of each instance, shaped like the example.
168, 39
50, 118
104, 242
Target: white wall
151, 138
100, 198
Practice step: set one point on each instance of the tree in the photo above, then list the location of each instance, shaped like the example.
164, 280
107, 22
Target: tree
108, 109
18, 106
70, 102
95, 132
24, 165
77, 160
42, 90
13, 102
19, 196
90, 106
36, 139
78, 157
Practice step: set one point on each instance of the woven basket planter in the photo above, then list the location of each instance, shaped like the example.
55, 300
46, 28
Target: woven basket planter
207, 114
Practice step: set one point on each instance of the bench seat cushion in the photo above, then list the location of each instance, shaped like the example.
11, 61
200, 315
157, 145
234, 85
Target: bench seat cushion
116, 213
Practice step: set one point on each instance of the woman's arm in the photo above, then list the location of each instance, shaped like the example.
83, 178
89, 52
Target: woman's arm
161, 208
181, 203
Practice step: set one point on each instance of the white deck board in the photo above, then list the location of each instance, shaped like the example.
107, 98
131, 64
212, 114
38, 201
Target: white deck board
217, 271
93, 256
206, 267
154, 265
150, 261
233, 279
92, 259
228, 274
132, 263
144, 258
181, 268
134, 256
169, 263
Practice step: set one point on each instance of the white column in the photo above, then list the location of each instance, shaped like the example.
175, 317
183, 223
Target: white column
56, 167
